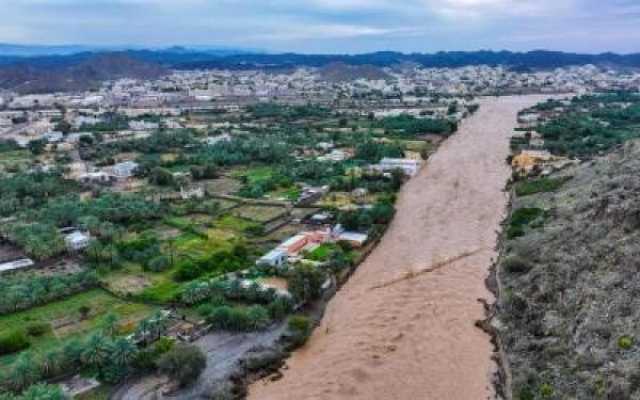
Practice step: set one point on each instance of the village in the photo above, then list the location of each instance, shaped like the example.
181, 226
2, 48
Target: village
150, 213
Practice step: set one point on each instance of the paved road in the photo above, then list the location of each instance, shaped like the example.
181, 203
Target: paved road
403, 327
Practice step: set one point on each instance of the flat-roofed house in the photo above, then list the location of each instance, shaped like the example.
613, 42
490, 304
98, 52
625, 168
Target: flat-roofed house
15, 265
77, 240
125, 169
275, 258
409, 166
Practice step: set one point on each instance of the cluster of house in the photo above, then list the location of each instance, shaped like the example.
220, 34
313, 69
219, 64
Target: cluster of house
293, 249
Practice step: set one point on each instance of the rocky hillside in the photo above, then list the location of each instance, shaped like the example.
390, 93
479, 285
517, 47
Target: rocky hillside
569, 310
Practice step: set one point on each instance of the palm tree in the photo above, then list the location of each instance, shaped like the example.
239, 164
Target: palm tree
24, 372
110, 324
123, 352
72, 353
143, 329
50, 363
43, 391
160, 323
96, 350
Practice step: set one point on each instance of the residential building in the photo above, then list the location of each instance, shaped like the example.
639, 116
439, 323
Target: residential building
15, 265
355, 239
77, 240
408, 166
53, 136
125, 169
275, 258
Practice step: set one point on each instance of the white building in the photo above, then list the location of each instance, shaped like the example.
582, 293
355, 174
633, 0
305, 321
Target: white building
125, 169
143, 125
76, 240
213, 140
96, 177
408, 166
275, 258
15, 265
53, 137
356, 239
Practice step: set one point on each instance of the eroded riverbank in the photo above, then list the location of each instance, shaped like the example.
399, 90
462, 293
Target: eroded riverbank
403, 326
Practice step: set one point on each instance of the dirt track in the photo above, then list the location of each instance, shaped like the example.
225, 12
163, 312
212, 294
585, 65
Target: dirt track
403, 327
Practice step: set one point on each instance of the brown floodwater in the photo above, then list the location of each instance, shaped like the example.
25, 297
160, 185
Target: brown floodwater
402, 328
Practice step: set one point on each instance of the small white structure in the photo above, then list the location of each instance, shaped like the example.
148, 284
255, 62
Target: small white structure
196, 192
408, 166
15, 264
77, 240
125, 169
326, 146
356, 239
53, 137
320, 218
335, 155
143, 125
275, 258
96, 177
213, 140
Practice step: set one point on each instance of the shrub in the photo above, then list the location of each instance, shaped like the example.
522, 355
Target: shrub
187, 271
540, 185
520, 219
159, 264
84, 311
525, 393
264, 360
183, 363
258, 317
625, 342
305, 283
38, 328
300, 328
516, 265
279, 308
43, 391
13, 342
163, 345
546, 391
145, 360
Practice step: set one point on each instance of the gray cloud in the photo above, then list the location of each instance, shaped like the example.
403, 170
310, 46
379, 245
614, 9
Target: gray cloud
329, 25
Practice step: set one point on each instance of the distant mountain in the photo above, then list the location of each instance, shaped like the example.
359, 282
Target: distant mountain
86, 73
18, 50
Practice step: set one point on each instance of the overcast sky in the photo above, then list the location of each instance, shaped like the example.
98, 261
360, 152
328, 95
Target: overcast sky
329, 26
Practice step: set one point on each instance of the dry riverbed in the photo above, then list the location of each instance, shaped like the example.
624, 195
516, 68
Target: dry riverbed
403, 326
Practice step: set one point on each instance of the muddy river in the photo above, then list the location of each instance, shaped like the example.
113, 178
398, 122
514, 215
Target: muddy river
403, 326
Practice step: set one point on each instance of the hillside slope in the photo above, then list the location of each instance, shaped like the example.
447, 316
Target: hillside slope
569, 309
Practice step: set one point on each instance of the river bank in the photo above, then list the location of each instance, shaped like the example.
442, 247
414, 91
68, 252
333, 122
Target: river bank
403, 326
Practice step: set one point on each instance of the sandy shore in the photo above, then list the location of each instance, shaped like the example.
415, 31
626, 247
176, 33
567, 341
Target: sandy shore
395, 331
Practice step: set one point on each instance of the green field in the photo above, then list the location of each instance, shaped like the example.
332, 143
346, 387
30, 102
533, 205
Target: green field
259, 214
66, 319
